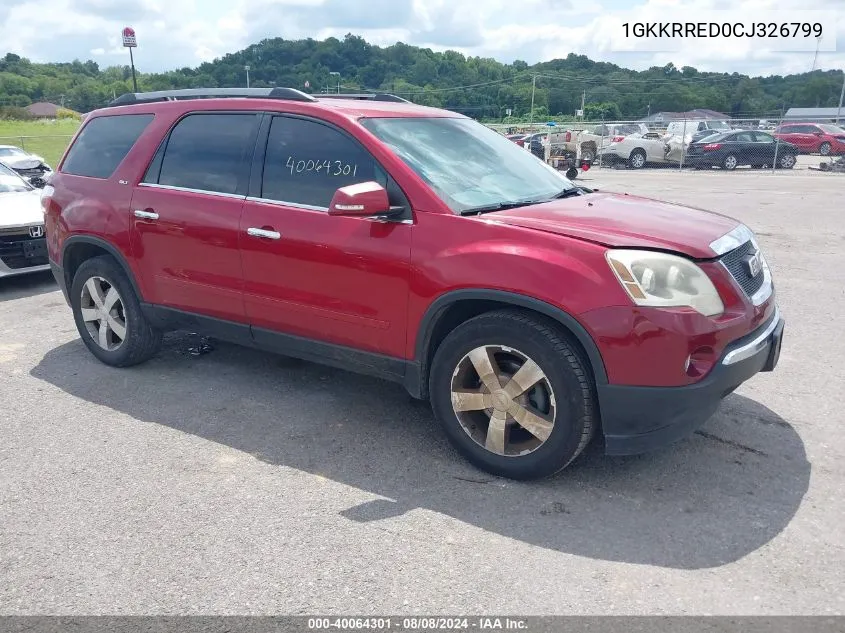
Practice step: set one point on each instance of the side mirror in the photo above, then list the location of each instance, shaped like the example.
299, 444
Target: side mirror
363, 199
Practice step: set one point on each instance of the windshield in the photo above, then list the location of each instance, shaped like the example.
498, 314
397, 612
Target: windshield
467, 164
12, 151
718, 125
10, 182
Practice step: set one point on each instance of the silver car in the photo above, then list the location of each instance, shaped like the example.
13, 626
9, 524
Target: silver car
23, 245
26, 164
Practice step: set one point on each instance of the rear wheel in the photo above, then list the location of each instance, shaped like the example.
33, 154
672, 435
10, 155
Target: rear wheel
513, 395
824, 149
108, 314
637, 159
730, 162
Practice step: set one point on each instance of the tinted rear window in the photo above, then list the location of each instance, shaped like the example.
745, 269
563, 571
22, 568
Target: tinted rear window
103, 143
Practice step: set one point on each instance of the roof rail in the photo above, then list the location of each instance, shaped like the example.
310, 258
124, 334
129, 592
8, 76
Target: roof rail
373, 96
289, 94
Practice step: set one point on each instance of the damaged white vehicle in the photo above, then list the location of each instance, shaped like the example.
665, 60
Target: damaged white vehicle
29, 166
639, 150
23, 245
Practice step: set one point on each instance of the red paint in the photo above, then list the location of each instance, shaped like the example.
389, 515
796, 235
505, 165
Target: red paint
799, 134
365, 284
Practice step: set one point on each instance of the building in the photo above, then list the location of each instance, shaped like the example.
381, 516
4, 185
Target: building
43, 110
698, 114
815, 115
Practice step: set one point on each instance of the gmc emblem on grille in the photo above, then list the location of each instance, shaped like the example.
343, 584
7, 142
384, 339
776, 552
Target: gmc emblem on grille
754, 263
36, 231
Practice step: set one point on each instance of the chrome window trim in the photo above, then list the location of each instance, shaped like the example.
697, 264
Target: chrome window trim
731, 240
754, 346
284, 203
219, 194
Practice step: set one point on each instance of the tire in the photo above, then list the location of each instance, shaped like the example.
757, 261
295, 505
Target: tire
564, 398
92, 287
637, 159
824, 149
730, 162
588, 154
571, 173
786, 161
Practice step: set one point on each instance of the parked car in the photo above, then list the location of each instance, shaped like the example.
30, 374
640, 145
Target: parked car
594, 139
23, 247
26, 164
638, 151
413, 244
536, 143
814, 138
686, 128
519, 139
700, 136
750, 147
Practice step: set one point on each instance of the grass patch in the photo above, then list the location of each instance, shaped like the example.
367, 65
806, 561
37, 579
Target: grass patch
45, 138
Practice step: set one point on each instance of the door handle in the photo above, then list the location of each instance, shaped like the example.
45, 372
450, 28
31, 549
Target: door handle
146, 215
270, 235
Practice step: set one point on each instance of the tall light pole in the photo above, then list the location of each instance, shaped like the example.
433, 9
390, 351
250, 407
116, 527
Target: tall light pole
841, 95
533, 88
246, 68
338, 80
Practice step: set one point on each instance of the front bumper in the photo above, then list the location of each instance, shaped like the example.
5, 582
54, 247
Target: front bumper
640, 419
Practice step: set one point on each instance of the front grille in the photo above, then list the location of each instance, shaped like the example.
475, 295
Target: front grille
34, 171
734, 261
23, 251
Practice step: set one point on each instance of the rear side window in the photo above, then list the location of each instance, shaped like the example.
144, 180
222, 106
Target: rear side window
103, 144
307, 162
208, 152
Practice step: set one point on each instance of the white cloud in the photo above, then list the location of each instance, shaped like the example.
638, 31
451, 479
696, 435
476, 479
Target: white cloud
173, 35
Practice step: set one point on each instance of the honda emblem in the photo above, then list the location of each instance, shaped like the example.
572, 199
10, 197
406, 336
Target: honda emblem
36, 231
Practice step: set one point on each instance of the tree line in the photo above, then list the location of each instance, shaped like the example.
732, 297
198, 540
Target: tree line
480, 87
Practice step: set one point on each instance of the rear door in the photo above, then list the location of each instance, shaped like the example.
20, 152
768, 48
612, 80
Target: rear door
186, 213
742, 145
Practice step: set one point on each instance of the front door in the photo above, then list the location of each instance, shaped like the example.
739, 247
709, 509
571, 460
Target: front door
186, 215
337, 280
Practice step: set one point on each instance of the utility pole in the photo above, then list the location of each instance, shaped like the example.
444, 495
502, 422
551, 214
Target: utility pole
583, 100
533, 88
338, 80
841, 95
246, 68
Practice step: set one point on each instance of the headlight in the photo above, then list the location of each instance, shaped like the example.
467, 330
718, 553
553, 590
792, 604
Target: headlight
660, 280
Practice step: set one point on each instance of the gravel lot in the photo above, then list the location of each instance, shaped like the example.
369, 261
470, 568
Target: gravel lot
242, 483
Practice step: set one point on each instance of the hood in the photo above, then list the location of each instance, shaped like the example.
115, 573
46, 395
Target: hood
22, 162
624, 221
20, 209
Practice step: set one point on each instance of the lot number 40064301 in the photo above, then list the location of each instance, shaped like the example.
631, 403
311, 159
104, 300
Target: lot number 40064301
331, 167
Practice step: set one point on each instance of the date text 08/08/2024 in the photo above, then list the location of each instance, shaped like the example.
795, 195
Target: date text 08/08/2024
418, 624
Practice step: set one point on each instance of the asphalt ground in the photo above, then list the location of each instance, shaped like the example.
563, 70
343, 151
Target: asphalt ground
239, 482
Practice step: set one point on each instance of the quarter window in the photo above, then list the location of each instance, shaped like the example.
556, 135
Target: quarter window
103, 143
307, 162
209, 152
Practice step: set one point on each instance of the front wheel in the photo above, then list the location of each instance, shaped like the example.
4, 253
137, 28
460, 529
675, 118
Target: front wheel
824, 149
108, 314
513, 395
786, 161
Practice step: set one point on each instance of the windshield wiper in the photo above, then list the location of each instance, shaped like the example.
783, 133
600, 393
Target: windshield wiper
498, 206
566, 193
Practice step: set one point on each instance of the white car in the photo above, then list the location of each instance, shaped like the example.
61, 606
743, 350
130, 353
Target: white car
26, 164
23, 245
639, 150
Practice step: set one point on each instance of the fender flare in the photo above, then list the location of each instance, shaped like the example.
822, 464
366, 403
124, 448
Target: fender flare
438, 307
106, 246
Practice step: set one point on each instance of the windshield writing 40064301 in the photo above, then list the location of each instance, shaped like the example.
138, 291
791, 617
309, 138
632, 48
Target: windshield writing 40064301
329, 167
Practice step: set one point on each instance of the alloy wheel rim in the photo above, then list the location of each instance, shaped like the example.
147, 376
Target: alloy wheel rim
787, 161
503, 400
638, 160
103, 313
824, 150
730, 162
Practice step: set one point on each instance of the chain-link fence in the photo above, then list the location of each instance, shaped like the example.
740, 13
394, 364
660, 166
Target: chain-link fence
686, 143
49, 147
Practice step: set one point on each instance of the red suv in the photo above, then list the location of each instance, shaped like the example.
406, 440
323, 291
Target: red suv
416, 245
814, 138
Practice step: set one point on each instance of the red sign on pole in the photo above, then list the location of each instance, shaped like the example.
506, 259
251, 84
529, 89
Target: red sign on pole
129, 40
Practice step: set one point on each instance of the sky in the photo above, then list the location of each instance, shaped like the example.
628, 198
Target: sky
173, 34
